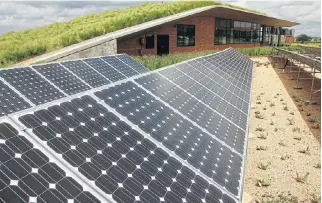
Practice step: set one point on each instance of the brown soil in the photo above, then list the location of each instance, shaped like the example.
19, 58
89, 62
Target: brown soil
309, 113
281, 125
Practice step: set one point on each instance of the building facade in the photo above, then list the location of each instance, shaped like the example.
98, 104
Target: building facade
205, 33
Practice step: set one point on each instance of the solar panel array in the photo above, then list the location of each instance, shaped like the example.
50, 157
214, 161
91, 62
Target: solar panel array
107, 130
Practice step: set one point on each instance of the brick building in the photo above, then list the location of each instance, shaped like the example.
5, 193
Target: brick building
212, 29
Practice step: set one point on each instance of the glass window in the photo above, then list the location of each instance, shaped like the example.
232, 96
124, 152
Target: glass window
236, 24
231, 31
186, 35
149, 42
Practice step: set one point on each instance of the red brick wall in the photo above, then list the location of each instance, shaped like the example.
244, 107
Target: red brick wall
289, 39
204, 39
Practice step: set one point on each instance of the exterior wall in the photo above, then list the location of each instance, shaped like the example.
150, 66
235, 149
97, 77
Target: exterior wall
204, 39
289, 39
106, 48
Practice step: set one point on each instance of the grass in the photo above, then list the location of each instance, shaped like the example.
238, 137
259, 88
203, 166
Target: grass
281, 198
17, 46
305, 151
156, 62
263, 166
263, 136
302, 178
260, 129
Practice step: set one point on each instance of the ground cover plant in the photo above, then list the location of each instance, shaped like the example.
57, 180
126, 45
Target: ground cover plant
17, 46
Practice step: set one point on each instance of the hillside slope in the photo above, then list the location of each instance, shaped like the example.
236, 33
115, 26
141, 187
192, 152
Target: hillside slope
17, 46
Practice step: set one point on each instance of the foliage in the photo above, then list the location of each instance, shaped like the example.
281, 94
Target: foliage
303, 38
17, 46
154, 62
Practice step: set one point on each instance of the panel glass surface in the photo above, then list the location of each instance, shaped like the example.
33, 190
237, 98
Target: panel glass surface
132, 63
120, 160
31, 85
27, 174
63, 79
105, 69
120, 66
197, 111
86, 73
10, 101
177, 134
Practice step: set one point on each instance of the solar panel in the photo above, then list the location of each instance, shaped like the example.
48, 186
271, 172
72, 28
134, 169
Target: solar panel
120, 66
60, 77
86, 73
28, 175
31, 85
105, 69
116, 157
10, 101
132, 63
177, 134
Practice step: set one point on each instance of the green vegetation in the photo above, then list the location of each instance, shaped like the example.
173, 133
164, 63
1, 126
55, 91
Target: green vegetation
154, 62
17, 46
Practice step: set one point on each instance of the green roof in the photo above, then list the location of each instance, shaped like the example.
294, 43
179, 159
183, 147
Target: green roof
18, 46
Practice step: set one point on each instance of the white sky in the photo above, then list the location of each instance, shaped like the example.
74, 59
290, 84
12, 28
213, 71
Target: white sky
16, 16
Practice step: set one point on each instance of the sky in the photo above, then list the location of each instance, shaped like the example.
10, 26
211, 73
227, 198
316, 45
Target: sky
20, 15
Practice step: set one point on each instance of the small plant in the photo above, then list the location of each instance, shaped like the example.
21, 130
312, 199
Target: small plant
292, 113
281, 143
258, 98
275, 97
305, 151
293, 96
259, 102
257, 112
285, 108
262, 148
264, 181
271, 104
284, 103
308, 114
285, 157
262, 93
296, 100
291, 121
316, 199
311, 120
260, 129
299, 105
264, 108
271, 123
275, 129
273, 114
302, 178
316, 126
263, 136
263, 166
299, 138
268, 100
259, 116
281, 99
296, 129
317, 165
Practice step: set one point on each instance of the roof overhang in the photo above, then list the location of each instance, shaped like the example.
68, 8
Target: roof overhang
237, 14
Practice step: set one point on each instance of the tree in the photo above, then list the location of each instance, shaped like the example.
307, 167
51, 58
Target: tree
303, 38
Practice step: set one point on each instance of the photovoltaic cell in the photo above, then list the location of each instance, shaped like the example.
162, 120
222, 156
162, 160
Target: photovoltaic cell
176, 133
10, 101
31, 85
120, 66
132, 63
105, 69
197, 111
86, 73
27, 175
120, 160
63, 79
